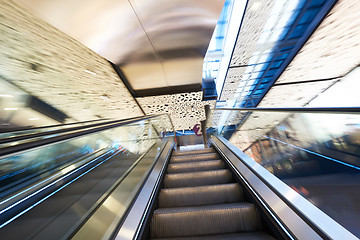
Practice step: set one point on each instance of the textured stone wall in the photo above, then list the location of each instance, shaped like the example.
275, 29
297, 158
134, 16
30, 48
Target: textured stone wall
247, 43
331, 52
58, 69
185, 109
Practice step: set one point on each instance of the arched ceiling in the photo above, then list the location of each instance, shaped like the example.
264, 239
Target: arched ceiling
157, 44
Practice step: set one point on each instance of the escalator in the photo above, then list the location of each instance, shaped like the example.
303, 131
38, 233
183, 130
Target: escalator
220, 193
131, 182
200, 199
51, 182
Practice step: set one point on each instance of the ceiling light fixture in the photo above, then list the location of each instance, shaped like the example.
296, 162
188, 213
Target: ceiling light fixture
6, 96
10, 109
90, 72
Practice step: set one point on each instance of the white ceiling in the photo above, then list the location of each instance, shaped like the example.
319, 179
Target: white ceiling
156, 43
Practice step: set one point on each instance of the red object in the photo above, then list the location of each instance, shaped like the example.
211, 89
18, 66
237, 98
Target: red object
197, 129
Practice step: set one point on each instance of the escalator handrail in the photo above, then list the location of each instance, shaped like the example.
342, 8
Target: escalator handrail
50, 132
4, 152
50, 126
330, 110
322, 225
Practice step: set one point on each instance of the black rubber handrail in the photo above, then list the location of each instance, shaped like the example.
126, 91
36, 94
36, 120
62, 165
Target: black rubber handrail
66, 136
19, 129
336, 110
51, 132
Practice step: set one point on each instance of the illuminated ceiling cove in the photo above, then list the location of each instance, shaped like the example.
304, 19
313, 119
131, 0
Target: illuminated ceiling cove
156, 44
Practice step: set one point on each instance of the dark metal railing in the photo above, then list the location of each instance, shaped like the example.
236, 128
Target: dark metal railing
51, 137
337, 110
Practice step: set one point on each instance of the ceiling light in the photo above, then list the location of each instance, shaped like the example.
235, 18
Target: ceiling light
90, 72
10, 109
6, 96
33, 119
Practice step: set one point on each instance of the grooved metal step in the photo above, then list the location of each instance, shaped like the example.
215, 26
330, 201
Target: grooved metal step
200, 201
203, 195
236, 236
192, 152
192, 158
195, 166
176, 180
205, 220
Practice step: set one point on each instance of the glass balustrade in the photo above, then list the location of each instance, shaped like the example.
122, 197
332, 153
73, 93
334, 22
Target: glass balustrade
317, 154
117, 158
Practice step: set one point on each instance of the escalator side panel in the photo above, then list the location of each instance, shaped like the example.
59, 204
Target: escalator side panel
294, 215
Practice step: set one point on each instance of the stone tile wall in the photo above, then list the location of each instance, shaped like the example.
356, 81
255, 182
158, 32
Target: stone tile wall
59, 70
185, 109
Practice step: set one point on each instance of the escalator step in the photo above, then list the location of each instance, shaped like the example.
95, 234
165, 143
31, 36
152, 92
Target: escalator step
204, 195
195, 166
192, 158
193, 152
205, 220
236, 236
193, 179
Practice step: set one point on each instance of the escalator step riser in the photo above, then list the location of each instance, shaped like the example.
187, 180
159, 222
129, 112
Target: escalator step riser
194, 179
208, 220
193, 152
236, 236
204, 195
193, 158
195, 166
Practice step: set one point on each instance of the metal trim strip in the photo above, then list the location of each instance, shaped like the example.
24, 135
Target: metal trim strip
16, 149
337, 110
98, 203
301, 218
131, 227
